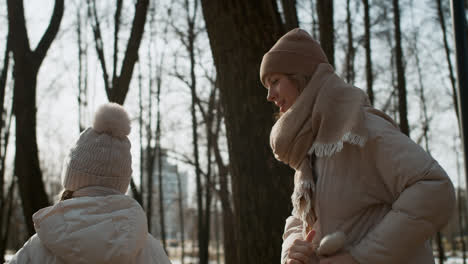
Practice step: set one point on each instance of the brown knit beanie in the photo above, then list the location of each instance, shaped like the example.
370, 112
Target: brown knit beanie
294, 53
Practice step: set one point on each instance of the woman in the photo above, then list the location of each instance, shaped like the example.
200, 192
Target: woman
356, 173
95, 222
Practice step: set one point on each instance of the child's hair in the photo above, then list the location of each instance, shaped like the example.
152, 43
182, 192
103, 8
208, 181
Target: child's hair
66, 194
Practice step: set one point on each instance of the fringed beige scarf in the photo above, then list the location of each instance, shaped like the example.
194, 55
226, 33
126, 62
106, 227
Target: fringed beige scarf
328, 113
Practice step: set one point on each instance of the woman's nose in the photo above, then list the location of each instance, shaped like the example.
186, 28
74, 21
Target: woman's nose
270, 96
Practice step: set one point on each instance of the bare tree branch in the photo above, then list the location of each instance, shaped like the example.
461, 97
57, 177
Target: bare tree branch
184, 158
16, 20
50, 32
118, 12
99, 44
131, 53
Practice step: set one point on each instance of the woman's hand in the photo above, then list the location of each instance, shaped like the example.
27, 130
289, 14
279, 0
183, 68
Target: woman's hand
344, 258
302, 251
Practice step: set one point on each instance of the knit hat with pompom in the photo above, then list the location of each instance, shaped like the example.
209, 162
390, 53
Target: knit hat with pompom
101, 156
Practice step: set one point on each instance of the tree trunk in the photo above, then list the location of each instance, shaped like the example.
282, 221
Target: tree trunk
150, 159
402, 104
425, 119
27, 64
181, 218
240, 33
117, 88
189, 39
229, 238
351, 50
82, 80
4, 223
3, 126
150, 153
326, 28
290, 14
209, 120
217, 231
140, 134
441, 19
367, 45
202, 245
314, 19
440, 248
160, 165
4, 236
460, 202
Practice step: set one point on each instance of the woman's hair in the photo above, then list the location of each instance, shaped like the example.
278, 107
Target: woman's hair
66, 194
300, 81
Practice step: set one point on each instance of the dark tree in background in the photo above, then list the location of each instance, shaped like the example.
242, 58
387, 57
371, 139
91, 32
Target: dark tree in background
26, 68
400, 67
441, 19
351, 50
240, 32
118, 84
290, 14
367, 46
6, 201
326, 28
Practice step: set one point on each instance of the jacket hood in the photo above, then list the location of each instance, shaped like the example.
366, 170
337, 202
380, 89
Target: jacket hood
108, 229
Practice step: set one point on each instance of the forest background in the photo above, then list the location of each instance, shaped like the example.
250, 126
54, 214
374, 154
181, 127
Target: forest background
187, 71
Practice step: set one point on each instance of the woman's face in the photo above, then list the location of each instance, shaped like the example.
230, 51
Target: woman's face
282, 91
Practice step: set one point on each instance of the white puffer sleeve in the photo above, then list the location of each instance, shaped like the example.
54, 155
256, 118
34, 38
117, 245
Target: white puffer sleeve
422, 194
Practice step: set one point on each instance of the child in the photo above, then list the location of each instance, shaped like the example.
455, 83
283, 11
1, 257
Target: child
94, 222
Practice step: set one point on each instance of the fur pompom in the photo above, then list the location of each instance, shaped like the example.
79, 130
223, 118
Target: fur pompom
112, 119
331, 243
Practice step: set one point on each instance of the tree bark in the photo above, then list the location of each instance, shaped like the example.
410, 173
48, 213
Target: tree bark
27, 64
160, 165
460, 202
4, 223
217, 231
240, 32
402, 103
367, 45
188, 38
229, 238
209, 120
441, 19
440, 248
290, 14
326, 28
350, 73
82, 84
181, 218
4, 236
425, 119
3, 80
313, 13
117, 88
150, 159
